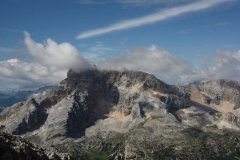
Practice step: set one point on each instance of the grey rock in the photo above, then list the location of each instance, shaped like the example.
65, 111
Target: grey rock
16, 148
129, 115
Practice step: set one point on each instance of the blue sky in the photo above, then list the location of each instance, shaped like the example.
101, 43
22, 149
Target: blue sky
188, 36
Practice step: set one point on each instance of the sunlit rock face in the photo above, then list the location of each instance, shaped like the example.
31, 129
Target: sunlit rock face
129, 114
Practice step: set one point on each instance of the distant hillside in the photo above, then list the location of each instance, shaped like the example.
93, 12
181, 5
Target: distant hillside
5, 100
8, 99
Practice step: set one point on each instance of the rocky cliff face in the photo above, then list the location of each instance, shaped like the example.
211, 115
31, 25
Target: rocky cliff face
219, 95
122, 115
13, 147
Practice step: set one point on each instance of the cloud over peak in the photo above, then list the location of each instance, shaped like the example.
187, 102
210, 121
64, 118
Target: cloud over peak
153, 60
51, 61
49, 65
167, 67
54, 55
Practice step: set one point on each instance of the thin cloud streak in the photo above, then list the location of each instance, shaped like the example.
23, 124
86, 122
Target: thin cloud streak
153, 18
10, 30
3, 49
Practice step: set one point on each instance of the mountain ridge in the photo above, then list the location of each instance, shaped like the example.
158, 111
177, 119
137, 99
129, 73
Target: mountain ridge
95, 109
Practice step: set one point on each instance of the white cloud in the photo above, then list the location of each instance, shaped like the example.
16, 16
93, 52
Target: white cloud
54, 55
93, 2
21, 74
50, 64
99, 52
52, 60
149, 2
153, 18
223, 65
134, 3
152, 60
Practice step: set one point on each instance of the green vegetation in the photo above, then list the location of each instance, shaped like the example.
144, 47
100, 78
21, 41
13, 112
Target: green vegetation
96, 155
116, 138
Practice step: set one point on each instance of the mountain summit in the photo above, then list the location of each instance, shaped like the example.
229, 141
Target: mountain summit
131, 115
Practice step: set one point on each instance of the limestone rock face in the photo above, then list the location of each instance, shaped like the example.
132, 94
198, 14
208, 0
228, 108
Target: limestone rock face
129, 115
220, 95
21, 119
229, 120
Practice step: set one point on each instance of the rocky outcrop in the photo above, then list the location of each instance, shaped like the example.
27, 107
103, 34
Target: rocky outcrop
229, 120
23, 117
220, 95
16, 148
217, 93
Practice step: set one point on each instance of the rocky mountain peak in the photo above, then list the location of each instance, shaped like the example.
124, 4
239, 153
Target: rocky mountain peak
84, 98
127, 78
122, 109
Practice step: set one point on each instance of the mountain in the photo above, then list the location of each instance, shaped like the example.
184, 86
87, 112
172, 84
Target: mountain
10, 98
131, 115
